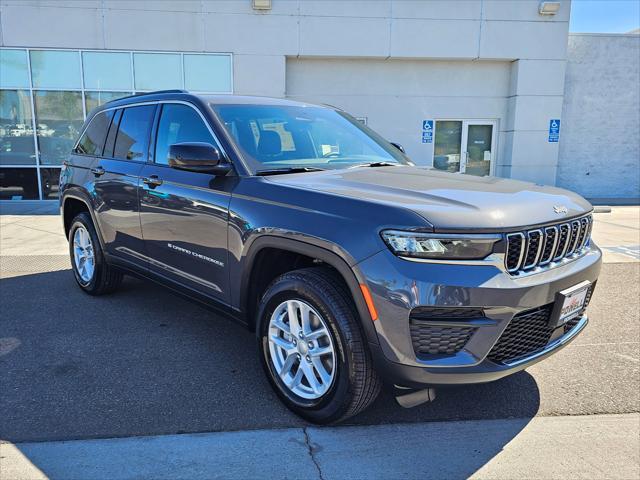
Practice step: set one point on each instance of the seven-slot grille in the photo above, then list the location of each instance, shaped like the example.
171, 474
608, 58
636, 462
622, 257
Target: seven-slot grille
541, 246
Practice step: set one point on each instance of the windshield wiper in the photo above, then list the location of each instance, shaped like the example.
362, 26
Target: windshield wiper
280, 171
376, 164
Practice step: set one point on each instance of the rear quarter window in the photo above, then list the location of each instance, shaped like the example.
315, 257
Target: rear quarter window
92, 140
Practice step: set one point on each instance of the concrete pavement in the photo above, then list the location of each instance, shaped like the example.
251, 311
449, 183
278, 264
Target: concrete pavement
145, 364
597, 446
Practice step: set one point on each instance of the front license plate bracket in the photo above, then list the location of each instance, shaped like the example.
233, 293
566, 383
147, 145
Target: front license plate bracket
569, 303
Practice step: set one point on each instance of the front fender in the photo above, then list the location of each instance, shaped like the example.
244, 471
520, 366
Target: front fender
312, 247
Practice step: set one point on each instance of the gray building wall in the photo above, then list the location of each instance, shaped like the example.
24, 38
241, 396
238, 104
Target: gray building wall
278, 52
600, 137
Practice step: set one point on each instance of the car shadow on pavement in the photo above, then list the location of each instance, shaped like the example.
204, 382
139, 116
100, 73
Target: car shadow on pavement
144, 361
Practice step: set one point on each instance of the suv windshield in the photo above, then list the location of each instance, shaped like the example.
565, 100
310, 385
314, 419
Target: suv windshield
304, 138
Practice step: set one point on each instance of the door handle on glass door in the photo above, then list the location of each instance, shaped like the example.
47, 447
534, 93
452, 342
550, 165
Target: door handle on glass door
152, 181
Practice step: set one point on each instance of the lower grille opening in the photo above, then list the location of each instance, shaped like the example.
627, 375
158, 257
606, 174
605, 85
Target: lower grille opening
434, 340
434, 330
529, 332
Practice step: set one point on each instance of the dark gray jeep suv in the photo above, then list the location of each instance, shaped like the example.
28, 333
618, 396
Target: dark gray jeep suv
354, 267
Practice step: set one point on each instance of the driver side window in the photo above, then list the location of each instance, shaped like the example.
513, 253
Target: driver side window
178, 124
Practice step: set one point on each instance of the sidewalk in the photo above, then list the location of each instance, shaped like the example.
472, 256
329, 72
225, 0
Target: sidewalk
598, 446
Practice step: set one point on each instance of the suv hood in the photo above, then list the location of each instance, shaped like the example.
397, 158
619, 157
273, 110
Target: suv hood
448, 201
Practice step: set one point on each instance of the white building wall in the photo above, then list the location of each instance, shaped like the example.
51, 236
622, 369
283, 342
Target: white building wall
600, 138
266, 45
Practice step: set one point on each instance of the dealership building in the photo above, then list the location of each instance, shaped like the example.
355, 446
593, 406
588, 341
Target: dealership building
479, 87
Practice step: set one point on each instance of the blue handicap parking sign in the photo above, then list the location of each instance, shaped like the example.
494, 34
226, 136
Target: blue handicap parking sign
554, 130
427, 131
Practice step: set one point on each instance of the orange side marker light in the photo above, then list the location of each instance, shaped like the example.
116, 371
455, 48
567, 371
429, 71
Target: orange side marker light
369, 301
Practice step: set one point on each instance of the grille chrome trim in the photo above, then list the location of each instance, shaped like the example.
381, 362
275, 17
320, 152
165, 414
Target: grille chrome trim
569, 241
522, 249
575, 235
556, 233
540, 239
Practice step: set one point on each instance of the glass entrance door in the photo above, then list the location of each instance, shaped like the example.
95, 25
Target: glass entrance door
465, 146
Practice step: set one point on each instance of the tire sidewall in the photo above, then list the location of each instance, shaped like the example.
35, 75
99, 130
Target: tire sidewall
82, 221
338, 396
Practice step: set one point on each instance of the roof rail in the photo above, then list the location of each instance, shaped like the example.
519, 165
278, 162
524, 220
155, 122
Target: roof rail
148, 93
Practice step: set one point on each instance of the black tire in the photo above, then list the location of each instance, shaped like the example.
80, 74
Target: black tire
105, 278
355, 385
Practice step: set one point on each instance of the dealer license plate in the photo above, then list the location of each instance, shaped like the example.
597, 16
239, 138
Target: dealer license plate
570, 303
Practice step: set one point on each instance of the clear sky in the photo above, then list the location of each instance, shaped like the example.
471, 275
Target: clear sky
604, 16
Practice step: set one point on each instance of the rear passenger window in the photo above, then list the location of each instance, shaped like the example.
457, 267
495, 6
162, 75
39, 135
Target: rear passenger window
179, 124
132, 140
92, 140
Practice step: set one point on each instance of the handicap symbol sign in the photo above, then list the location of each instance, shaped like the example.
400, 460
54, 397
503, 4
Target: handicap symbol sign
554, 130
427, 131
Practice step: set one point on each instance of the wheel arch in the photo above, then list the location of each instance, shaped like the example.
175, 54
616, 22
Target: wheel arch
73, 203
248, 303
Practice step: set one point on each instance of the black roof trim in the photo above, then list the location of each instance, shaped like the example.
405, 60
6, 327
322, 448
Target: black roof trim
138, 95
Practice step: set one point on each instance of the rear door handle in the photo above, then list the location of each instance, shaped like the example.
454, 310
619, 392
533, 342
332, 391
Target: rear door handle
152, 181
98, 171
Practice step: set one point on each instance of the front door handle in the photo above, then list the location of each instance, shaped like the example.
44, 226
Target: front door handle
98, 171
152, 180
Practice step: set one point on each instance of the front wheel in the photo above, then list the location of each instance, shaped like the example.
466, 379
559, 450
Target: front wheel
312, 347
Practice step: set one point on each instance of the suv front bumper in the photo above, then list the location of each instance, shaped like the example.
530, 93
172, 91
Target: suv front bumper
398, 286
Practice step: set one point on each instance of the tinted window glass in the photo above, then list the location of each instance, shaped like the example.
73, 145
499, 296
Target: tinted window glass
59, 119
94, 136
16, 128
179, 124
157, 71
300, 136
133, 133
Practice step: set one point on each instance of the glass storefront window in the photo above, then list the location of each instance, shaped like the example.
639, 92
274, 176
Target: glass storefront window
157, 71
107, 70
14, 69
49, 182
95, 99
55, 69
18, 184
207, 73
41, 102
16, 128
58, 122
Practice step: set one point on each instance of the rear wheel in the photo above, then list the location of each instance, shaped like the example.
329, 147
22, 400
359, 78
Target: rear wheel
92, 273
312, 347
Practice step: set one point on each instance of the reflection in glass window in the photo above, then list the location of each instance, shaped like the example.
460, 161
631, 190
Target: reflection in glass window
93, 138
207, 73
448, 145
58, 123
14, 68
107, 70
157, 71
16, 128
55, 69
95, 99
18, 184
179, 124
50, 182
133, 134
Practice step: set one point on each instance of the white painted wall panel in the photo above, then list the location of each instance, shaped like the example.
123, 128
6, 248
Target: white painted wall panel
396, 95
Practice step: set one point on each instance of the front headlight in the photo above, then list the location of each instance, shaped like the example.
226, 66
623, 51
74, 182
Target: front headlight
440, 246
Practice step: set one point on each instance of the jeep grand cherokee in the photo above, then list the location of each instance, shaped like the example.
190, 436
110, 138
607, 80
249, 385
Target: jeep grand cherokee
354, 267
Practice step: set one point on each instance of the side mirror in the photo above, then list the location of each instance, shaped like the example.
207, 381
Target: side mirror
197, 157
398, 146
